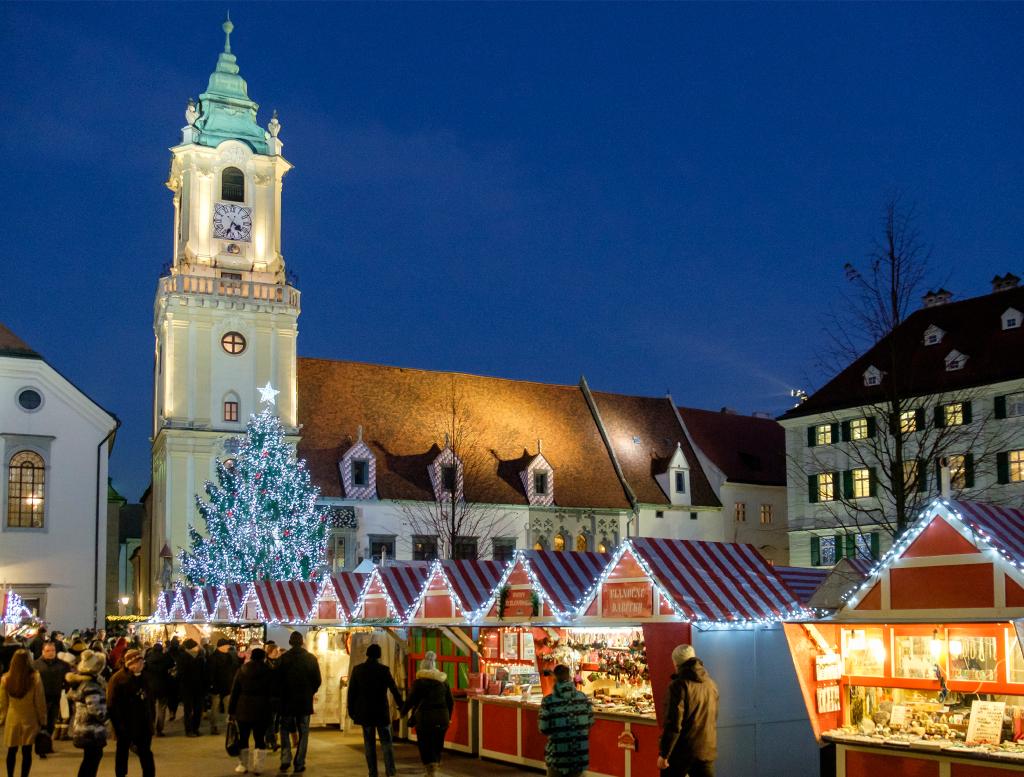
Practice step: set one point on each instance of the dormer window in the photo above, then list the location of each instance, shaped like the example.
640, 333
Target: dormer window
232, 185
675, 480
680, 482
955, 361
933, 335
358, 469
872, 376
539, 482
1011, 319
446, 475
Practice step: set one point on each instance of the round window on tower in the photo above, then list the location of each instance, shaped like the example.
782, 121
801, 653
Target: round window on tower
233, 343
29, 399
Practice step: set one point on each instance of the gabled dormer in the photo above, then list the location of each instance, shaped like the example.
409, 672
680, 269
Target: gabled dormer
933, 335
873, 376
539, 480
675, 480
955, 360
1011, 318
446, 476
358, 469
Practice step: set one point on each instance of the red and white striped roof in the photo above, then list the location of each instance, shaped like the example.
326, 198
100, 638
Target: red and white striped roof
195, 607
473, 581
1002, 527
721, 582
803, 581
404, 582
287, 601
349, 587
566, 576
209, 599
235, 594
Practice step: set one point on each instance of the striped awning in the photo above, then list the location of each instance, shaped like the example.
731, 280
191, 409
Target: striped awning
803, 581
286, 601
404, 582
193, 601
349, 586
235, 594
1002, 527
566, 577
473, 581
717, 581
210, 593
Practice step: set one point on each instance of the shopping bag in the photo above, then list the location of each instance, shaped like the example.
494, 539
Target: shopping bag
232, 743
43, 743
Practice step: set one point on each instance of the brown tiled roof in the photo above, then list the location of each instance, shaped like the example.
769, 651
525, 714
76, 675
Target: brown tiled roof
401, 412
12, 345
972, 326
745, 448
644, 432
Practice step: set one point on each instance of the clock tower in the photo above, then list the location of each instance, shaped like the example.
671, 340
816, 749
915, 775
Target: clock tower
225, 317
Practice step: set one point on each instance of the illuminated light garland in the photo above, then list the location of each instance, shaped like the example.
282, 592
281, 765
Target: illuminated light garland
392, 610
14, 609
262, 519
326, 591
436, 568
520, 556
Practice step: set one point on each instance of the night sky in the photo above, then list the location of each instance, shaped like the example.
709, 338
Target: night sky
660, 197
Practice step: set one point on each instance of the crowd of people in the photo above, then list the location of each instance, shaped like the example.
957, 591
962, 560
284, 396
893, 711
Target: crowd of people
85, 685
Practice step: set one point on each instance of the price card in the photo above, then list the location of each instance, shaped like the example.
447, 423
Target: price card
898, 716
986, 724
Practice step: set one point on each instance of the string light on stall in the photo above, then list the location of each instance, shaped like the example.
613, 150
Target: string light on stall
520, 556
326, 591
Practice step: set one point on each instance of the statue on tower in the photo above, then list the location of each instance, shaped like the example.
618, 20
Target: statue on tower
274, 126
191, 114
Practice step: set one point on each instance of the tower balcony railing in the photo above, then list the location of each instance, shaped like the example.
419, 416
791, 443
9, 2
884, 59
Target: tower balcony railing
275, 293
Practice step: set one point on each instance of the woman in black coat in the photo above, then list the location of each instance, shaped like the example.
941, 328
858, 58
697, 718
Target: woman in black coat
430, 706
250, 707
157, 671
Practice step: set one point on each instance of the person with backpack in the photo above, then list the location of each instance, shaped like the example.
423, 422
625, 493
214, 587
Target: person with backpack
22, 710
89, 721
430, 706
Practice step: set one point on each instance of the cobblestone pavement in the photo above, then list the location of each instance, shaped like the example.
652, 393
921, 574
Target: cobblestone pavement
331, 754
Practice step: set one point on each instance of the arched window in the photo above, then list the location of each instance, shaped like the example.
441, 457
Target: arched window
540, 544
231, 406
559, 543
581, 542
232, 185
602, 548
25, 493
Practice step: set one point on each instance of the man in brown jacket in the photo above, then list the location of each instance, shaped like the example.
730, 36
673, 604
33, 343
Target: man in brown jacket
689, 741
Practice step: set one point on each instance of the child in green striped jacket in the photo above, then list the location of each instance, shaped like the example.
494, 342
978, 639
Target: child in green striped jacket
565, 718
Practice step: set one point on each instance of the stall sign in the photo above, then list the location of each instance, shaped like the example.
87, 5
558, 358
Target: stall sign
627, 741
828, 667
627, 600
986, 726
898, 716
519, 603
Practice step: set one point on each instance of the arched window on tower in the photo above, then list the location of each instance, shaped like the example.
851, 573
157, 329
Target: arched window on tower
25, 490
232, 185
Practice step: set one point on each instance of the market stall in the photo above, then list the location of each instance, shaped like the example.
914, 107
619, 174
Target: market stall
921, 670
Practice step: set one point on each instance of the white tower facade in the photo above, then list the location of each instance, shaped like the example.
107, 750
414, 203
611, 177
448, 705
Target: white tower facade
225, 317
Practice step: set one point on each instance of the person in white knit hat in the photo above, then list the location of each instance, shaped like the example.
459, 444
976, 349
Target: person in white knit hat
689, 740
430, 706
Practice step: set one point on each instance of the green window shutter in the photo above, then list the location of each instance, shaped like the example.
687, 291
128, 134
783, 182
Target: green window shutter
922, 475
815, 552
1000, 407
871, 426
874, 545
967, 412
1003, 467
835, 433
968, 470
920, 418
810, 437
848, 484
812, 488
851, 546
846, 431
940, 416
872, 481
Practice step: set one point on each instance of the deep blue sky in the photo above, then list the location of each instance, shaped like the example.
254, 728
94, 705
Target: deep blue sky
657, 196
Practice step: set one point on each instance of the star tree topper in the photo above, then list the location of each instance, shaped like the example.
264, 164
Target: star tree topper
267, 393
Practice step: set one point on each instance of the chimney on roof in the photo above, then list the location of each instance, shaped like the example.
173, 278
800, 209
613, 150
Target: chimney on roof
729, 411
1004, 282
935, 298
762, 414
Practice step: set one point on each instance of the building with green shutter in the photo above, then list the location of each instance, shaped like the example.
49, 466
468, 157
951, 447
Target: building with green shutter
941, 397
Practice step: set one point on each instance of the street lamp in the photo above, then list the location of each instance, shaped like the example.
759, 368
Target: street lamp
122, 605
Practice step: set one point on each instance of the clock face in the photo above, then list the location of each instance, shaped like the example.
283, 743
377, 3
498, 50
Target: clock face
232, 222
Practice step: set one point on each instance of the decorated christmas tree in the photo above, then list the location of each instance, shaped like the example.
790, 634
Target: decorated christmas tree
262, 520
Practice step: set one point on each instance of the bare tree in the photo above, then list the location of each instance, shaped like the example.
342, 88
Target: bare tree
894, 447
461, 526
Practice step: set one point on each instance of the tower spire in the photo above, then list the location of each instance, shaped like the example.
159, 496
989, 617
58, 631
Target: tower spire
227, 27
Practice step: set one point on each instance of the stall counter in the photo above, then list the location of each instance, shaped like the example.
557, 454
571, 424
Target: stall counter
871, 758
620, 745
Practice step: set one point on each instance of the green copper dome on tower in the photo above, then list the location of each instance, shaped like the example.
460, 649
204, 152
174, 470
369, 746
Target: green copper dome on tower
225, 110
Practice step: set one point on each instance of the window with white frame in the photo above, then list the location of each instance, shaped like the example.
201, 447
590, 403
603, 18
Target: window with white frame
859, 429
933, 335
823, 434
680, 482
540, 483
908, 421
741, 512
26, 490
863, 545
424, 547
766, 514
503, 548
828, 553
872, 376
826, 486
1015, 462
957, 471
1015, 405
911, 473
464, 548
953, 413
861, 478
360, 472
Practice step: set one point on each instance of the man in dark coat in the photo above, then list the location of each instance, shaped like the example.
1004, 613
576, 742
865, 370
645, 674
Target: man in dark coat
35, 645
131, 709
298, 679
368, 688
689, 740
51, 672
192, 684
223, 665
157, 671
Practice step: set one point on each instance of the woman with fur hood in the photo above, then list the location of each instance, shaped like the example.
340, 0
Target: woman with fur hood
89, 720
430, 707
